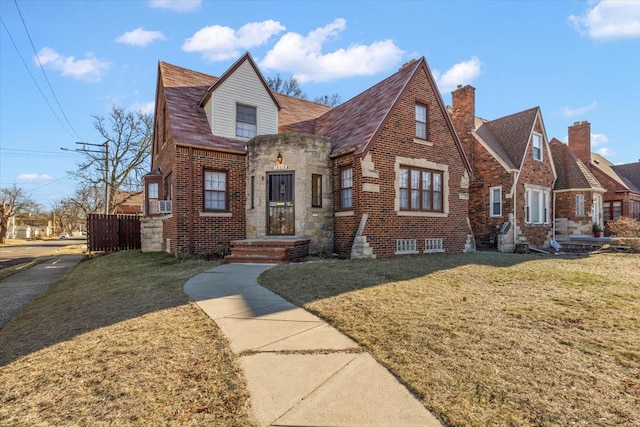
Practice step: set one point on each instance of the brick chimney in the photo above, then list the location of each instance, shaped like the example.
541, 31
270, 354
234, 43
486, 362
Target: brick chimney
463, 116
580, 140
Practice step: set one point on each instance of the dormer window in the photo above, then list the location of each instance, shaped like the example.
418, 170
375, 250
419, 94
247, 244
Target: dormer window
246, 121
537, 146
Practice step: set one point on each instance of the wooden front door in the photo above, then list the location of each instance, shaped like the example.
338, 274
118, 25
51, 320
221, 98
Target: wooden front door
281, 214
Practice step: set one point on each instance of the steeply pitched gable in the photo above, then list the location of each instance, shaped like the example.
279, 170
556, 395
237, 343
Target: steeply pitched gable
354, 124
244, 58
508, 136
183, 90
572, 173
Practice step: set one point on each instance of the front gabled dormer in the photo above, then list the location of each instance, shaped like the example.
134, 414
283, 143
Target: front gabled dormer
239, 104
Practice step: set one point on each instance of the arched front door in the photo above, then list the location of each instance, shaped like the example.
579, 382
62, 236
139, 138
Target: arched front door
281, 213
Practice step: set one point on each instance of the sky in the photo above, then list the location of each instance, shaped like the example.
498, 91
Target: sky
63, 62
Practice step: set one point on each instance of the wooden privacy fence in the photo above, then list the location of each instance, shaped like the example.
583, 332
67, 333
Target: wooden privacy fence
112, 233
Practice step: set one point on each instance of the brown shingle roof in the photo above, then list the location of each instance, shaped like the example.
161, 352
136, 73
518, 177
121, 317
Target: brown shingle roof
353, 124
183, 90
630, 175
508, 136
295, 111
572, 173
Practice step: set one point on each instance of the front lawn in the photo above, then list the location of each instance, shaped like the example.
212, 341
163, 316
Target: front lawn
491, 339
117, 342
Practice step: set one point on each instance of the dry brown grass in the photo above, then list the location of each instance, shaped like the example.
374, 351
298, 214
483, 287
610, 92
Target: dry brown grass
116, 342
491, 339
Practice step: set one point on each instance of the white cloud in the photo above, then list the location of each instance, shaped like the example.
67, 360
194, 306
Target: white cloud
302, 56
606, 152
33, 177
612, 19
176, 5
143, 107
460, 74
579, 111
598, 139
219, 43
89, 69
140, 37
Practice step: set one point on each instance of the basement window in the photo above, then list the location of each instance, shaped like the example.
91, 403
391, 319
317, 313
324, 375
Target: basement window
433, 245
406, 246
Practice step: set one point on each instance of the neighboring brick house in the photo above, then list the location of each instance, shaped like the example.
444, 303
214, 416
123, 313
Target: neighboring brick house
380, 175
513, 173
622, 182
128, 203
577, 195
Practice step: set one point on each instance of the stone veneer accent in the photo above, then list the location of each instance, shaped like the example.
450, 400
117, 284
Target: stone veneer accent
151, 234
304, 155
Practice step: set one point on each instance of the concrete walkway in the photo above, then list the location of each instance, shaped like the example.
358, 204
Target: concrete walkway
299, 370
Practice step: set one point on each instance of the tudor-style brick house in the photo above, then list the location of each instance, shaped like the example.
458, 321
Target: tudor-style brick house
382, 174
577, 194
513, 173
621, 182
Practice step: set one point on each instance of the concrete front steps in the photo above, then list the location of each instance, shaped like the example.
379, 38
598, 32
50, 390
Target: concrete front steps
268, 250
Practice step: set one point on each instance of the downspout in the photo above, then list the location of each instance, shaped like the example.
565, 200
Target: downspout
514, 197
553, 218
190, 219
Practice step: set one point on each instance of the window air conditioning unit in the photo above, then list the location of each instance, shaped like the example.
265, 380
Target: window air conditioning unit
164, 206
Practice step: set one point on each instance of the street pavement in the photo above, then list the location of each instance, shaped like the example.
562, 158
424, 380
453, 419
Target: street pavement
22, 287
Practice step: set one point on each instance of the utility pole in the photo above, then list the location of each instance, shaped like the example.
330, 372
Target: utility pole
105, 145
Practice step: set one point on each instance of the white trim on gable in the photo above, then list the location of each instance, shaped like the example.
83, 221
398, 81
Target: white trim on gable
493, 153
243, 86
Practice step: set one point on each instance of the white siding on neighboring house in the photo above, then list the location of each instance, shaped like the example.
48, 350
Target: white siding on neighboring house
243, 87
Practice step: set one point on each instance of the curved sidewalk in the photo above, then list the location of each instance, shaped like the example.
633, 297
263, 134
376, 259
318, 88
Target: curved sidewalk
299, 370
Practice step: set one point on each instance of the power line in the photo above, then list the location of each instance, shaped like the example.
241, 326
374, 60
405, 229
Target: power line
17, 152
34, 79
43, 72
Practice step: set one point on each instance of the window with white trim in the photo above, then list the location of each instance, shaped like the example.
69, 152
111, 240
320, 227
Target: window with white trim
406, 246
537, 146
246, 121
215, 190
495, 196
579, 204
421, 121
536, 206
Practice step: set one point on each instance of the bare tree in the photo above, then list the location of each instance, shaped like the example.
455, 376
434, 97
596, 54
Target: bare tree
88, 198
330, 100
119, 164
14, 202
289, 87
66, 215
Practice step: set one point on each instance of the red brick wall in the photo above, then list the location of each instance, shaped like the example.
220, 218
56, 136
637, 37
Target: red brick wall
538, 173
163, 157
206, 234
345, 227
566, 205
488, 172
396, 138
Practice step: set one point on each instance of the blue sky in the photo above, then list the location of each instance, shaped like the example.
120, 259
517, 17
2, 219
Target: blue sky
63, 61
